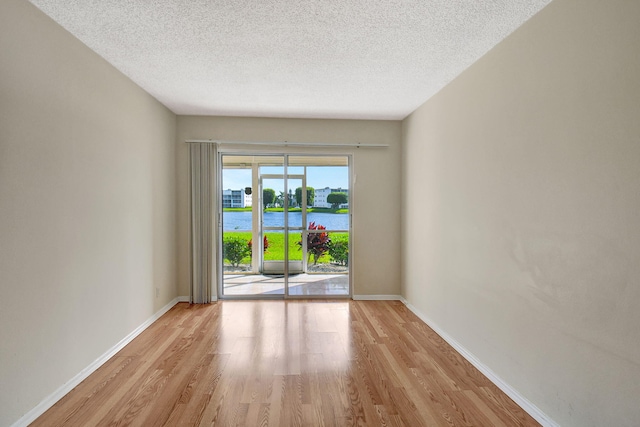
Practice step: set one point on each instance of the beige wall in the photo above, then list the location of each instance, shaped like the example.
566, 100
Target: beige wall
376, 192
524, 242
520, 230
87, 207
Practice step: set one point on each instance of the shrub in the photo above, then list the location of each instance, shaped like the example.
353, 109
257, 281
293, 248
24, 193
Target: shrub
339, 251
317, 243
235, 249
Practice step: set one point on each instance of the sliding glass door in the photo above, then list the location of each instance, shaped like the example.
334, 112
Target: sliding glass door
297, 210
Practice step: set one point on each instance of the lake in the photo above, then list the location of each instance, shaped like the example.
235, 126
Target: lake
241, 221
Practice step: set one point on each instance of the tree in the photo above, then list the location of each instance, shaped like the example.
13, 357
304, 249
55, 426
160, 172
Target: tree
292, 200
268, 197
311, 195
337, 199
279, 200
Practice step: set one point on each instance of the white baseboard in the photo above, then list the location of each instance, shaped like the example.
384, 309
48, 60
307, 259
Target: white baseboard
377, 298
50, 400
529, 407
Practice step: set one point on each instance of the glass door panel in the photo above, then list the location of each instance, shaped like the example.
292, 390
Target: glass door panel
237, 225
297, 209
325, 238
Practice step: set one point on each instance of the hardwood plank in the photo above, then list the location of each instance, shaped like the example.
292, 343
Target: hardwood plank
287, 363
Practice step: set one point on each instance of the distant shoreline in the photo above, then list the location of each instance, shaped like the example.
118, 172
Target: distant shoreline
317, 210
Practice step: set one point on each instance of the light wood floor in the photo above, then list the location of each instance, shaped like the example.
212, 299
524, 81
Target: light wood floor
287, 363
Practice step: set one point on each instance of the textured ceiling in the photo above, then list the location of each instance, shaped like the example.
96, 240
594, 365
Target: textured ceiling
282, 58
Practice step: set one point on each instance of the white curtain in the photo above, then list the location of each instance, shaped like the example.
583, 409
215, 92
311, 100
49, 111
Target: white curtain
202, 164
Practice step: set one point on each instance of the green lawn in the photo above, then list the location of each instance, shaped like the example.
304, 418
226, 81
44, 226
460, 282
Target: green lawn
275, 251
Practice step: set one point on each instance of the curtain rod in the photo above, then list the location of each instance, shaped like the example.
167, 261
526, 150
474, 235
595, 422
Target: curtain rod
289, 143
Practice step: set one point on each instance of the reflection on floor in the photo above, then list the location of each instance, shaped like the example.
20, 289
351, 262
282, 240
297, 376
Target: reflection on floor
299, 284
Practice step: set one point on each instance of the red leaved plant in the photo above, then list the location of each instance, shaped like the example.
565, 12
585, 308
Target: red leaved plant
265, 244
317, 243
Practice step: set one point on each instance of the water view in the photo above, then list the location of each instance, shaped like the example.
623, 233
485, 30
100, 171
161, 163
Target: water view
241, 221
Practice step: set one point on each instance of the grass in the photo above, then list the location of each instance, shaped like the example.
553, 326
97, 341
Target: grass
275, 252
248, 209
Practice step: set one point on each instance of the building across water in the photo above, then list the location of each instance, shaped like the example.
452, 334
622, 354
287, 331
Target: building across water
235, 199
321, 194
